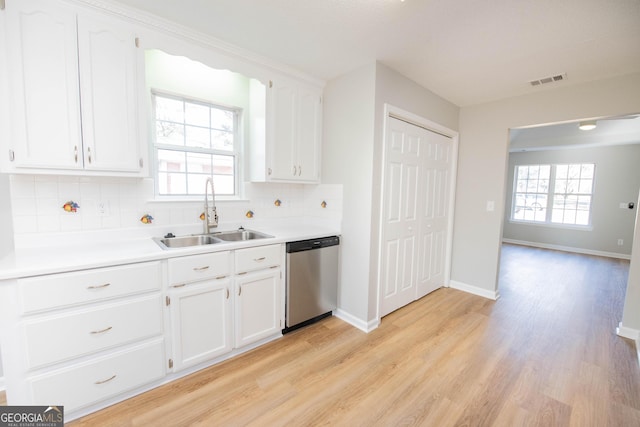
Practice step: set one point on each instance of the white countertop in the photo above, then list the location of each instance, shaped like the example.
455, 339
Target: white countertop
83, 253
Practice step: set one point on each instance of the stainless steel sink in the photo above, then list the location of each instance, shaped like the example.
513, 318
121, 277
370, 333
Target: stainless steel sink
209, 239
240, 235
186, 241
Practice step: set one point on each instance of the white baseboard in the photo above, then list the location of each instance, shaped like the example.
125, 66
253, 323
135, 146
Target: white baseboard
567, 249
623, 331
493, 295
632, 334
357, 322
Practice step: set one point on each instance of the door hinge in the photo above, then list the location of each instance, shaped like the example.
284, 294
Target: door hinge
167, 300
2, 5
170, 363
137, 41
12, 154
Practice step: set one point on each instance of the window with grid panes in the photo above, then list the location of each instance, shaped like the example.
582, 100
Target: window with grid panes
194, 140
553, 194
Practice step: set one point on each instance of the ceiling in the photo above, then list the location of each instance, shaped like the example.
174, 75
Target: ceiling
609, 131
467, 51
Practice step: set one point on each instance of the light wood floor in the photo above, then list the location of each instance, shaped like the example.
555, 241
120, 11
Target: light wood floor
544, 354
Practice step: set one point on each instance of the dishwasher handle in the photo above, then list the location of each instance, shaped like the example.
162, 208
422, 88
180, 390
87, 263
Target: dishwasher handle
307, 245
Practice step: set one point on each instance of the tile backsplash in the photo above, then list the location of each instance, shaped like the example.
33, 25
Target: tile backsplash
111, 203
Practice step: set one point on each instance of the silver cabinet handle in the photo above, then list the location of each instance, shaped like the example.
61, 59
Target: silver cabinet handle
300, 170
295, 170
179, 286
75, 153
239, 290
260, 259
105, 381
99, 286
227, 293
102, 331
206, 267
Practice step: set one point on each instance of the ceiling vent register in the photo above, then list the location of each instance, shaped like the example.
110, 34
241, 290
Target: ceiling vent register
551, 79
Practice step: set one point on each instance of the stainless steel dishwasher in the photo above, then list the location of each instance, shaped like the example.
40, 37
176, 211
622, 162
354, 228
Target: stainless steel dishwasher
312, 281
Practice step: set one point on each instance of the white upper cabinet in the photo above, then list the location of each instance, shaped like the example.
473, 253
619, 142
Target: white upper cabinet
294, 133
72, 90
107, 66
43, 53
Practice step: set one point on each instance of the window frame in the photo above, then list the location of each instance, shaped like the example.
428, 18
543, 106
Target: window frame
236, 153
551, 194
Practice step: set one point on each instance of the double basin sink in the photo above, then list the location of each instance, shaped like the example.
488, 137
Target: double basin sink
209, 239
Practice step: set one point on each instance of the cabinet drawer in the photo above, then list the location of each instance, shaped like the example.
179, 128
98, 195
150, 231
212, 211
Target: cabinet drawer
66, 289
87, 383
198, 267
257, 258
56, 338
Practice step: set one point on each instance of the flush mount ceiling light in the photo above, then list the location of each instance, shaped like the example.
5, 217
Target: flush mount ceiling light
587, 125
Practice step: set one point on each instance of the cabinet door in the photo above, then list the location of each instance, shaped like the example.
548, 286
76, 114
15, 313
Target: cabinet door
107, 63
283, 121
258, 308
201, 322
45, 100
309, 135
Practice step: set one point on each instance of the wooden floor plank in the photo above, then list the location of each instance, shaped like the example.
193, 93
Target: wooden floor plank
544, 354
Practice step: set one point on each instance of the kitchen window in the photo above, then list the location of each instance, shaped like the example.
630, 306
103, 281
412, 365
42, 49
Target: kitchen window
553, 194
194, 140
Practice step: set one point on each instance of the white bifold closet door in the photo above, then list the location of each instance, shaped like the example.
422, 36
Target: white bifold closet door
417, 169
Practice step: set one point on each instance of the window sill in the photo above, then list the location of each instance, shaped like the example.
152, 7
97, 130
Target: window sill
551, 225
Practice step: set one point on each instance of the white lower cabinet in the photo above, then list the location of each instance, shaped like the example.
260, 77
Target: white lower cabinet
223, 301
201, 322
85, 339
87, 383
77, 338
258, 313
91, 330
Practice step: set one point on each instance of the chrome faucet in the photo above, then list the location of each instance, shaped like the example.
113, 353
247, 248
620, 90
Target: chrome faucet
210, 214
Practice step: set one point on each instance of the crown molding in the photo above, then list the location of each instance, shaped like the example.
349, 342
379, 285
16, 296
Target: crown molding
155, 22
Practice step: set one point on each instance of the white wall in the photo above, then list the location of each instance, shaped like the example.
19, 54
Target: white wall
482, 163
352, 155
630, 323
617, 180
347, 159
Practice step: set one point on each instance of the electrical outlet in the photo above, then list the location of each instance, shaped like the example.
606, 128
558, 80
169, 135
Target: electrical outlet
620, 242
103, 208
